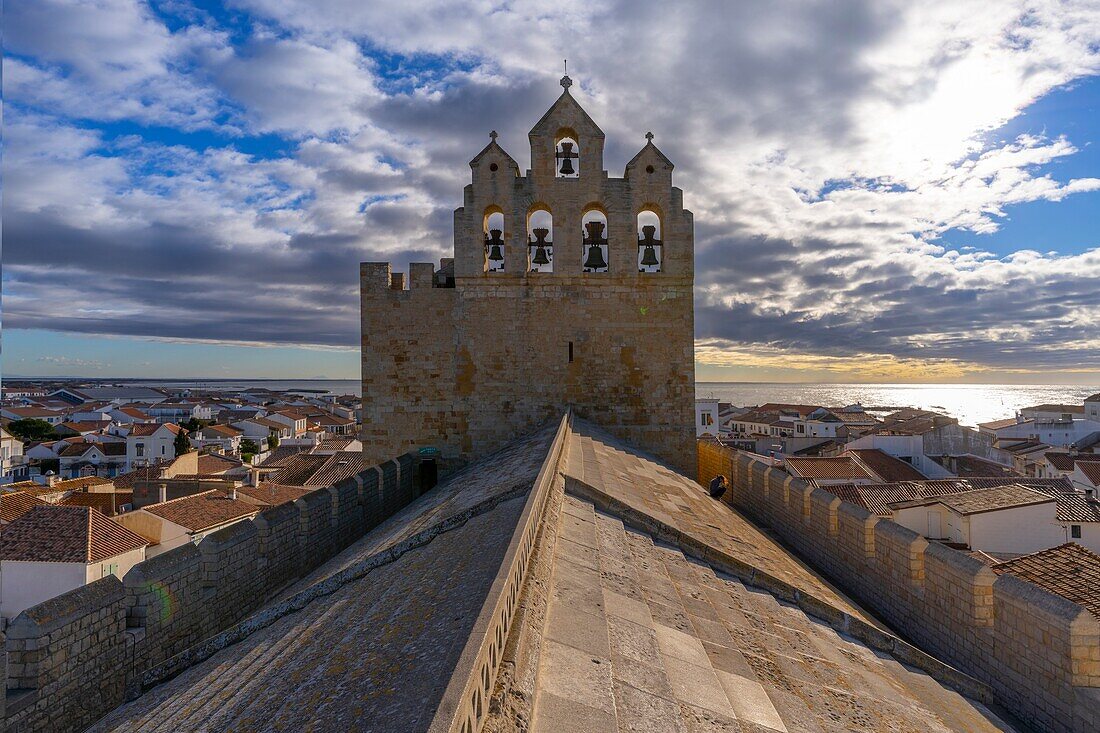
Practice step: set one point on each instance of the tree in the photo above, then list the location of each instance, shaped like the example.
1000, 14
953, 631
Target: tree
182, 443
32, 430
248, 448
272, 440
194, 424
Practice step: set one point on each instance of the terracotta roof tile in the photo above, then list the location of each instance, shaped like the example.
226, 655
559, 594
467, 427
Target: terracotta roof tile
74, 534
826, 468
202, 511
273, 494
14, 504
1068, 570
342, 465
299, 469
108, 503
886, 466
1091, 470
1078, 508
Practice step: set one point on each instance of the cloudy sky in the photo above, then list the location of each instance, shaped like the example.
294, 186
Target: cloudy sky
882, 191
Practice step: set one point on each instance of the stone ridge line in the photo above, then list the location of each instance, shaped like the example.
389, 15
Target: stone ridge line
261, 620
841, 621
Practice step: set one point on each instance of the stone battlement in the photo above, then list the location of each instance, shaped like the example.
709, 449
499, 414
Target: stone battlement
73, 658
1039, 652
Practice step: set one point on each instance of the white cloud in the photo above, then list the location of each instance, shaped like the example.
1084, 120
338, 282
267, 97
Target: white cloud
847, 140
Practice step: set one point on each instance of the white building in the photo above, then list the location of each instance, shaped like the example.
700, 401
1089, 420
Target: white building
224, 437
148, 443
1092, 407
51, 550
92, 459
12, 462
706, 417
53, 417
1079, 516
1057, 432
1010, 519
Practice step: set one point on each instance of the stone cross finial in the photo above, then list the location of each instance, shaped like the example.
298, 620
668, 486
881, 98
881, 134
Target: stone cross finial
649, 136
566, 82
493, 135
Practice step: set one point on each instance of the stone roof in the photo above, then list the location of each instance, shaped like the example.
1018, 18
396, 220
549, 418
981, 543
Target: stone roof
379, 650
641, 638
616, 630
1069, 570
66, 534
202, 511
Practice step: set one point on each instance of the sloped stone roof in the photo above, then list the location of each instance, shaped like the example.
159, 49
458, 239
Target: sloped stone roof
617, 630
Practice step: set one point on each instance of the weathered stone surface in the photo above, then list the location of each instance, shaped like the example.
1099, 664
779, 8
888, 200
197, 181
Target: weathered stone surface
465, 369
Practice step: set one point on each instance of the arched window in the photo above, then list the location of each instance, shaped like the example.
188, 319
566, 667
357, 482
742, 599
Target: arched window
540, 240
650, 249
493, 226
567, 155
594, 248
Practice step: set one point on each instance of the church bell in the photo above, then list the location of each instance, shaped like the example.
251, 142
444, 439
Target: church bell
540, 257
649, 257
494, 246
595, 260
566, 156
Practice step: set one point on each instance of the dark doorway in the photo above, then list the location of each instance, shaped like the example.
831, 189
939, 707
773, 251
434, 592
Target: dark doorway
429, 475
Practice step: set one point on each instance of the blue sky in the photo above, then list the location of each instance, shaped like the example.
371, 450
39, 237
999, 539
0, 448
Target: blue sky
885, 193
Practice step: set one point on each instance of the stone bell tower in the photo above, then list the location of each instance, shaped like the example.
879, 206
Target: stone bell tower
568, 289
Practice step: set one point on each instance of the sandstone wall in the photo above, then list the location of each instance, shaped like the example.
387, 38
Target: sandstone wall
1039, 652
467, 369
73, 658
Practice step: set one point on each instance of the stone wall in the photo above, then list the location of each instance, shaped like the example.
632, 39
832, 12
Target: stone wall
73, 658
1039, 652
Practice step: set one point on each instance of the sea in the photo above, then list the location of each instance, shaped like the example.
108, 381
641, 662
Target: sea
969, 403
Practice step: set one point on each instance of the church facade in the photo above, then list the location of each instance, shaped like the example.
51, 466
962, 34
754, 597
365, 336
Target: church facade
568, 288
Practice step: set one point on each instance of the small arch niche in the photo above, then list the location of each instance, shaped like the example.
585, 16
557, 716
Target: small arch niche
493, 226
567, 155
650, 244
594, 248
540, 240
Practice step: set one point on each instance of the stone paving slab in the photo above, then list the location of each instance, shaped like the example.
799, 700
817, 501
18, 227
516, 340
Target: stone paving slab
608, 466
694, 651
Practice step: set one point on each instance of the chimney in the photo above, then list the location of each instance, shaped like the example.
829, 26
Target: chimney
232, 493
162, 493
253, 478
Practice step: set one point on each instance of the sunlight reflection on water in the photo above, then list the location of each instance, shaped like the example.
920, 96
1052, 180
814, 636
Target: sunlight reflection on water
970, 403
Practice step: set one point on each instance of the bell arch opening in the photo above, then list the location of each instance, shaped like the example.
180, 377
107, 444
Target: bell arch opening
493, 230
650, 241
567, 154
540, 240
594, 248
